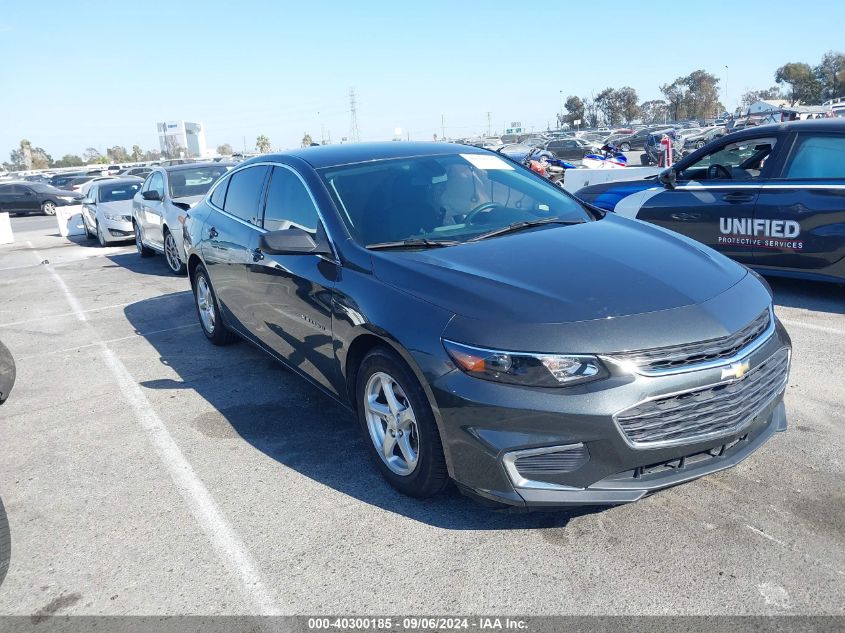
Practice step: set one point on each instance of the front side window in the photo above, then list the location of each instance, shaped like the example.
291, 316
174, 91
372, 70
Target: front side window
740, 160
243, 197
196, 181
157, 183
817, 157
288, 203
453, 197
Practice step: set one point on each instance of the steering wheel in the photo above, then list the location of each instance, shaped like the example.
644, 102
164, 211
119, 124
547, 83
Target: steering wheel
484, 207
718, 171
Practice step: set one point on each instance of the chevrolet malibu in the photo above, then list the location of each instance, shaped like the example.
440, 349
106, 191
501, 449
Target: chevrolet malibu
488, 328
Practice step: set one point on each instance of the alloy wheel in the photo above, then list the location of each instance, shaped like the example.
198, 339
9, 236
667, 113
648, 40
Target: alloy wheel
100, 237
391, 423
171, 252
139, 244
49, 207
205, 304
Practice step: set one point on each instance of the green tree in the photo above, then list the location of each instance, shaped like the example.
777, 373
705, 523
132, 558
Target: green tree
654, 111
69, 160
262, 144
225, 150
629, 109
574, 110
804, 87
40, 159
117, 154
830, 74
91, 155
137, 154
753, 96
307, 140
592, 114
607, 104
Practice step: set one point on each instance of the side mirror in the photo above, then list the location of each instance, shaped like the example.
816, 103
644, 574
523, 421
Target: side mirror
292, 241
151, 194
668, 178
88, 201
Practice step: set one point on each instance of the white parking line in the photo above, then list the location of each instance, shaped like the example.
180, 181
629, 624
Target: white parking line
205, 510
810, 326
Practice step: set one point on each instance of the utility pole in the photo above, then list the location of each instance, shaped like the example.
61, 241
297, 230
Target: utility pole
354, 135
489, 128
442, 127
727, 99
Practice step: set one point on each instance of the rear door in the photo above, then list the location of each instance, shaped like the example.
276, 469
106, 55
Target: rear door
802, 212
714, 198
228, 237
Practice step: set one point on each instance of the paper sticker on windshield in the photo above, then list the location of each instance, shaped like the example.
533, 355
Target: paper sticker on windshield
486, 161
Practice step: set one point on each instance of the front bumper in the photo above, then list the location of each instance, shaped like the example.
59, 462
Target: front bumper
117, 231
485, 425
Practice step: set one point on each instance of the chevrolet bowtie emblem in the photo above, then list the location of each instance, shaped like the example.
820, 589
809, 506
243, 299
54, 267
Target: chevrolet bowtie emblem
736, 370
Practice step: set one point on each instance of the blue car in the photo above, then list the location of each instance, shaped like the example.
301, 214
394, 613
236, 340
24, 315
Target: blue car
771, 197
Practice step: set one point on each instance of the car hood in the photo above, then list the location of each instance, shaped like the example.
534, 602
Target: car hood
117, 207
610, 268
606, 195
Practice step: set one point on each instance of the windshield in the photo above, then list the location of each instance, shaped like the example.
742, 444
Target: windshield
118, 192
453, 197
196, 181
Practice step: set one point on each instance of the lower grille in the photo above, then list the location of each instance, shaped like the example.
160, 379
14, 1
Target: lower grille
709, 411
564, 461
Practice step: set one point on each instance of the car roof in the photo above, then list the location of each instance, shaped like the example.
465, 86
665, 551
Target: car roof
810, 125
119, 181
172, 168
347, 154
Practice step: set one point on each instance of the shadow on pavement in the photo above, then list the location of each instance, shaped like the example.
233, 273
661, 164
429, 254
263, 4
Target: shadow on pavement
154, 265
256, 399
819, 296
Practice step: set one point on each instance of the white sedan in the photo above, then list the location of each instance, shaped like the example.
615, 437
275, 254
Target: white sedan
107, 209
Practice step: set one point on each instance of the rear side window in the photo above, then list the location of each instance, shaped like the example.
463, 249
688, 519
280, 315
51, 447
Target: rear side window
218, 197
243, 197
288, 203
818, 157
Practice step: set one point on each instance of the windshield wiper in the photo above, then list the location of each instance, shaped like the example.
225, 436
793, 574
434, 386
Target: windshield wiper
518, 226
412, 243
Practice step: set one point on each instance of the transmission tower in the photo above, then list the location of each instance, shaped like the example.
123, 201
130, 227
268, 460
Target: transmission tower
354, 135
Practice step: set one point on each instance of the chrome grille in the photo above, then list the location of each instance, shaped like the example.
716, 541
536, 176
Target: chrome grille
552, 463
666, 359
709, 411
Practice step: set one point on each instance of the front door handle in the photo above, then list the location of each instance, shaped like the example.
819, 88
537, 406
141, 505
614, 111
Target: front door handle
739, 197
212, 233
685, 217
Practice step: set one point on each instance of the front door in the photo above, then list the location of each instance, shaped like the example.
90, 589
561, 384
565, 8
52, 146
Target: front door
714, 198
152, 212
291, 295
804, 208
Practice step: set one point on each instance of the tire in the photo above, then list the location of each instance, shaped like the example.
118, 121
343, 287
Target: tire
88, 234
208, 310
5, 543
426, 474
48, 207
172, 256
101, 240
625, 147
644, 160
700, 144
143, 251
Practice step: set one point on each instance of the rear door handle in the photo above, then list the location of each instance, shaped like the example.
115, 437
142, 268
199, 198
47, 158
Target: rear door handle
685, 217
212, 233
739, 197
257, 255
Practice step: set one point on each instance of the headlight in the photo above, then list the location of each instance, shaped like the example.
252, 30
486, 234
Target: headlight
116, 218
523, 368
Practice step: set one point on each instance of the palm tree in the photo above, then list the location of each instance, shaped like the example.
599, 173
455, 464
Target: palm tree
262, 144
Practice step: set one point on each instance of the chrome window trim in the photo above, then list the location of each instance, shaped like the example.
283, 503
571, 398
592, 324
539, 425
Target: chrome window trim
261, 229
518, 481
705, 436
749, 349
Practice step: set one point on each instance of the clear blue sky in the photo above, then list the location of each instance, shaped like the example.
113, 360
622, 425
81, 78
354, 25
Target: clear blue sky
76, 74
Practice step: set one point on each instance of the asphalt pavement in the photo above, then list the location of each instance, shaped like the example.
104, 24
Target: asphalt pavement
145, 471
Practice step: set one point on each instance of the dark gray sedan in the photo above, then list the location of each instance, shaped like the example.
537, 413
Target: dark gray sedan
488, 328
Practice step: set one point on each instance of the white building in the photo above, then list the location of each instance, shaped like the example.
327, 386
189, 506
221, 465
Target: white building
182, 139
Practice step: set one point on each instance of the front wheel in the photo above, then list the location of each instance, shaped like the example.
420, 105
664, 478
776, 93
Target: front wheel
625, 147
208, 309
48, 207
171, 254
399, 426
101, 238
